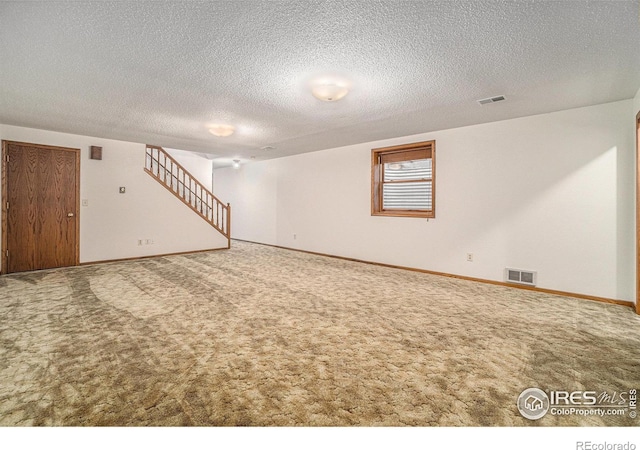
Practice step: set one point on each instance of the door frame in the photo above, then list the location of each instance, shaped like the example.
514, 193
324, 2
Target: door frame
3, 208
638, 213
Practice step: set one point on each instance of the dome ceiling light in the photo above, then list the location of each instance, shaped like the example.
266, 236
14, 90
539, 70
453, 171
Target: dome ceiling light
221, 130
329, 92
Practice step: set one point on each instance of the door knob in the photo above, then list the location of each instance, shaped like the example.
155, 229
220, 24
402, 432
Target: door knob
69, 214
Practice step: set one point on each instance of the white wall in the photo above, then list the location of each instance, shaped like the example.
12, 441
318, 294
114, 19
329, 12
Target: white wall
253, 189
552, 193
199, 167
112, 223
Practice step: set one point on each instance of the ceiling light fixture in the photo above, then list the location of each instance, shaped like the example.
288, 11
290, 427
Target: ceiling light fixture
329, 92
221, 130
236, 163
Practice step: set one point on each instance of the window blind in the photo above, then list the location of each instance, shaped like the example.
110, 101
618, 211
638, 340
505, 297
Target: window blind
407, 185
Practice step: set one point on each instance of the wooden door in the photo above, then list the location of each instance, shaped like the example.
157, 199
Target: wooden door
40, 206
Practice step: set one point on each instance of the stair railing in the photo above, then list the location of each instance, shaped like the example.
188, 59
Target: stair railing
170, 174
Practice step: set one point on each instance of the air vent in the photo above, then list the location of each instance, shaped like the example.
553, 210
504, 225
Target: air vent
520, 276
486, 101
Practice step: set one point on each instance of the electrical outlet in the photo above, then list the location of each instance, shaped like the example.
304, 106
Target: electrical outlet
85, 202
470, 257
295, 236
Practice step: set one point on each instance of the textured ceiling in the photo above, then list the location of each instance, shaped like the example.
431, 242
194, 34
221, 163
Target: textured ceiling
161, 72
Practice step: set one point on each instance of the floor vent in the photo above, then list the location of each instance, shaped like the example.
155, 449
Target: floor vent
486, 101
520, 276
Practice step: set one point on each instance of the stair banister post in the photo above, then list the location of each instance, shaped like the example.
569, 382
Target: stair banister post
228, 225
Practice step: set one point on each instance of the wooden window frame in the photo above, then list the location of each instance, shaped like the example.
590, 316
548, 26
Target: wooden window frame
377, 180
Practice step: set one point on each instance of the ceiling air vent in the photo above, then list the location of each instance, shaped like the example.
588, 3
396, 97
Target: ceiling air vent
486, 101
520, 276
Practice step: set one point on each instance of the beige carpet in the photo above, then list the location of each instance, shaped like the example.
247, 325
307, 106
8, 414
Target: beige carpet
262, 336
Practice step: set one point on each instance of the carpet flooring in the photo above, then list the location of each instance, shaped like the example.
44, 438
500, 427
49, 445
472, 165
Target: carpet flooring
259, 336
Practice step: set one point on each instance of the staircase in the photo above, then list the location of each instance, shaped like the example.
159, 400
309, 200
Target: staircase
170, 174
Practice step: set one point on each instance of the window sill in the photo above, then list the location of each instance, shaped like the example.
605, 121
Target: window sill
417, 214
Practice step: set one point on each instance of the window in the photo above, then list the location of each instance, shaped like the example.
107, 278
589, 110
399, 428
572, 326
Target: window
403, 180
